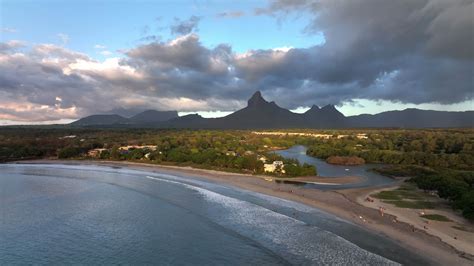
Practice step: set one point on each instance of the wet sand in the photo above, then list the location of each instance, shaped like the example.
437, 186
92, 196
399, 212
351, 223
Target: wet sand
342, 203
324, 180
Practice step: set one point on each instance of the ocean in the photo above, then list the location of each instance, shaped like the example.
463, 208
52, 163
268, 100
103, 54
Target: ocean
86, 214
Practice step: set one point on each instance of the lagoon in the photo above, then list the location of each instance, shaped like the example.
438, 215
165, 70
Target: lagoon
324, 169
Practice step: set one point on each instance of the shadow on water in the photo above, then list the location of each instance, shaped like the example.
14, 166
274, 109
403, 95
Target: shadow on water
289, 182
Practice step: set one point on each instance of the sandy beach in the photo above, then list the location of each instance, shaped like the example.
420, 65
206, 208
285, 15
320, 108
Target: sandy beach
437, 244
461, 240
322, 180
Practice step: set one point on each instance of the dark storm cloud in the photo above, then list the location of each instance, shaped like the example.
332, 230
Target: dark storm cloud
186, 26
409, 51
406, 51
184, 53
185, 68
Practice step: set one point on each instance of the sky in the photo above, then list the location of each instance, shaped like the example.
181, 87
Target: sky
62, 60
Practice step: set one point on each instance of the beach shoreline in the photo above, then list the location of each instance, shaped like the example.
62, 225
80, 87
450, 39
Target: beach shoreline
344, 204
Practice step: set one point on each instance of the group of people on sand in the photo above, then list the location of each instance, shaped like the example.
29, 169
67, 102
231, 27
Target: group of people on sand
381, 209
412, 227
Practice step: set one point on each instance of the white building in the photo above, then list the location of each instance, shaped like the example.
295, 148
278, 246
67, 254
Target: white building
132, 147
95, 152
231, 153
275, 166
262, 158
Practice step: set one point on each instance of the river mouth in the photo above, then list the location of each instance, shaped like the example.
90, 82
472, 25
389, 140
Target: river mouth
86, 214
368, 178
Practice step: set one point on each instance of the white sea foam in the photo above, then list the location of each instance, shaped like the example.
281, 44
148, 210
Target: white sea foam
268, 198
283, 234
271, 199
280, 233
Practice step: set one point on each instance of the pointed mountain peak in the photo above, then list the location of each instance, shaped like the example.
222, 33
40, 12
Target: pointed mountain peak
331, 110
313, 110
256, 95
329, 107
256, 99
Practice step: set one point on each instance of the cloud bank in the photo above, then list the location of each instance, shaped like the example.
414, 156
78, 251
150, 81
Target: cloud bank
416, 51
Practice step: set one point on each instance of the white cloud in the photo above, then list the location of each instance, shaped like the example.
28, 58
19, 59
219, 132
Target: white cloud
11, 45
283, 49
110, 68
20, 109
206, 114
99, 46
106, 53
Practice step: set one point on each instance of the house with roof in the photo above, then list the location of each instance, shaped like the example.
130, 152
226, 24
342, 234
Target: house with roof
275, 167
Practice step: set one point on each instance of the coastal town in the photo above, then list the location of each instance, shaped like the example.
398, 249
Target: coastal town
274, 167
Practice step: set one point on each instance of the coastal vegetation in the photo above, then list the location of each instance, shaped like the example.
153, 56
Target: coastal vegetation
439, 161
234, 151
456, 186
417, 204
436, 217
453, 149
345, 160
406, 196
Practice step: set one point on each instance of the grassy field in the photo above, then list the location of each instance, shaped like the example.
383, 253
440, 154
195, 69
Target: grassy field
398, 194
406, 196
462, 228
436, 217
411, 204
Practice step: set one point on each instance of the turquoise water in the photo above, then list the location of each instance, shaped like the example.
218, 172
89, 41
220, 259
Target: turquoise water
84, 214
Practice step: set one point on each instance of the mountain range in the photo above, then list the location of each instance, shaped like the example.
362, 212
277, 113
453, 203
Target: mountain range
261, 114
148, 117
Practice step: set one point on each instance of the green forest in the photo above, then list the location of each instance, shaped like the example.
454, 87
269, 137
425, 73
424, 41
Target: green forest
234, 151
436, 160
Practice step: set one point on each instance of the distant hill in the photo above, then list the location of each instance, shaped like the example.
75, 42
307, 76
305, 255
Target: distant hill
261, 114
152, 116
146, 118
326, 117
187, 121
413, 118
100, 120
